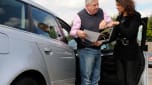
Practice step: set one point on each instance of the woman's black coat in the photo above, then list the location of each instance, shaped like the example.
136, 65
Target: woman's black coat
128, 29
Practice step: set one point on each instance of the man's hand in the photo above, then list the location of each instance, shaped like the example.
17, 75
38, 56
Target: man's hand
97, 43
102, 24
81, 34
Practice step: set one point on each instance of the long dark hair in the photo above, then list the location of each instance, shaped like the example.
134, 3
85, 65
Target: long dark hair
128, 5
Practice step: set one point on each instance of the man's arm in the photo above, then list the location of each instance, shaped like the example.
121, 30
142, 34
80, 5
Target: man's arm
75, 30
75, 26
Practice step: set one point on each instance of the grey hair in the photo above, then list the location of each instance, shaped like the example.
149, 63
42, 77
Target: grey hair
88, 1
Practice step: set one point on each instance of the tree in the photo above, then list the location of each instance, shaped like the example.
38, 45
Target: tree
149, 29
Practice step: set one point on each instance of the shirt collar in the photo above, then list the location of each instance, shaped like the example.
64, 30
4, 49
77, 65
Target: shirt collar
88, 11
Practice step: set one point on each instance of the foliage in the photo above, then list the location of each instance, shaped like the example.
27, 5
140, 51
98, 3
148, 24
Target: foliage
149, 29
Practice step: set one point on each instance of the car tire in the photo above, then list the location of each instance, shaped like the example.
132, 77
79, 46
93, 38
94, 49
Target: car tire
27, 80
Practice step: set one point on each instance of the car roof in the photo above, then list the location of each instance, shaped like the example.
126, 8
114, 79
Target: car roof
31, 2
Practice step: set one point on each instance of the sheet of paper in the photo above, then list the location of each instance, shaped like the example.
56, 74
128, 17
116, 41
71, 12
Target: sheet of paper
91, 35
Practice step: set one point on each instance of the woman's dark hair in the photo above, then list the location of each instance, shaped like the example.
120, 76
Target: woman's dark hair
128, 5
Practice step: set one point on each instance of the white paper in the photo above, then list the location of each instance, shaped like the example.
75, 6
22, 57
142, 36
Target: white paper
91, 35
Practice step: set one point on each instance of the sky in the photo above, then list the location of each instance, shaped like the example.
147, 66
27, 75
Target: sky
67, 9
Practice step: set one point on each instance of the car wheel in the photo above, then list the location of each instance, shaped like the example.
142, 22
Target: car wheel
26, 81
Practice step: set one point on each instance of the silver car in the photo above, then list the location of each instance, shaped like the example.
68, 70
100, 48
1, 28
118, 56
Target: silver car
34, 46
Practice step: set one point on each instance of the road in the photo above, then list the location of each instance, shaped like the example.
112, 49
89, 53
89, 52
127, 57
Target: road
150, 76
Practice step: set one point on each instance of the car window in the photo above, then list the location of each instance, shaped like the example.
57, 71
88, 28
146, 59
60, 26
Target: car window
64, 30
106, 35
66, 37
44, 23
14, 14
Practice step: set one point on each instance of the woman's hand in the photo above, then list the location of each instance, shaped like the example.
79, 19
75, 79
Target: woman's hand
104, 25
112, 23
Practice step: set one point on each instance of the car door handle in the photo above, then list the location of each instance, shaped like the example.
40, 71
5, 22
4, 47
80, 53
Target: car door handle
47, 51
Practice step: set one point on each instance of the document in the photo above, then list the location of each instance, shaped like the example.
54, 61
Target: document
91, 35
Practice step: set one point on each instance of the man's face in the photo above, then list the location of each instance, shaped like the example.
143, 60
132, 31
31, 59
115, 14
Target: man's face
93, 7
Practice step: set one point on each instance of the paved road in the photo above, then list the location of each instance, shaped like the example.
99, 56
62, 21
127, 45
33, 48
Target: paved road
150, 76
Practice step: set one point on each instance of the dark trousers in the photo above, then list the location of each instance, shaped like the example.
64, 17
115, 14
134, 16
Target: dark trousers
78, 78
127, 72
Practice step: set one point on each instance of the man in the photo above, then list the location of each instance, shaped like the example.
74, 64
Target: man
94, 19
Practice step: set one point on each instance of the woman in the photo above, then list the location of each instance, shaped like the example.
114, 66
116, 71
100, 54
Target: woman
126, 48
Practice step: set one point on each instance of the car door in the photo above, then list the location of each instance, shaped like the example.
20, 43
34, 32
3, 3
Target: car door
59, 57
59, 60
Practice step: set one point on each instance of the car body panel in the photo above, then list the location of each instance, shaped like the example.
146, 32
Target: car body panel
23, 55
59, 60
4, 44
22, 51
